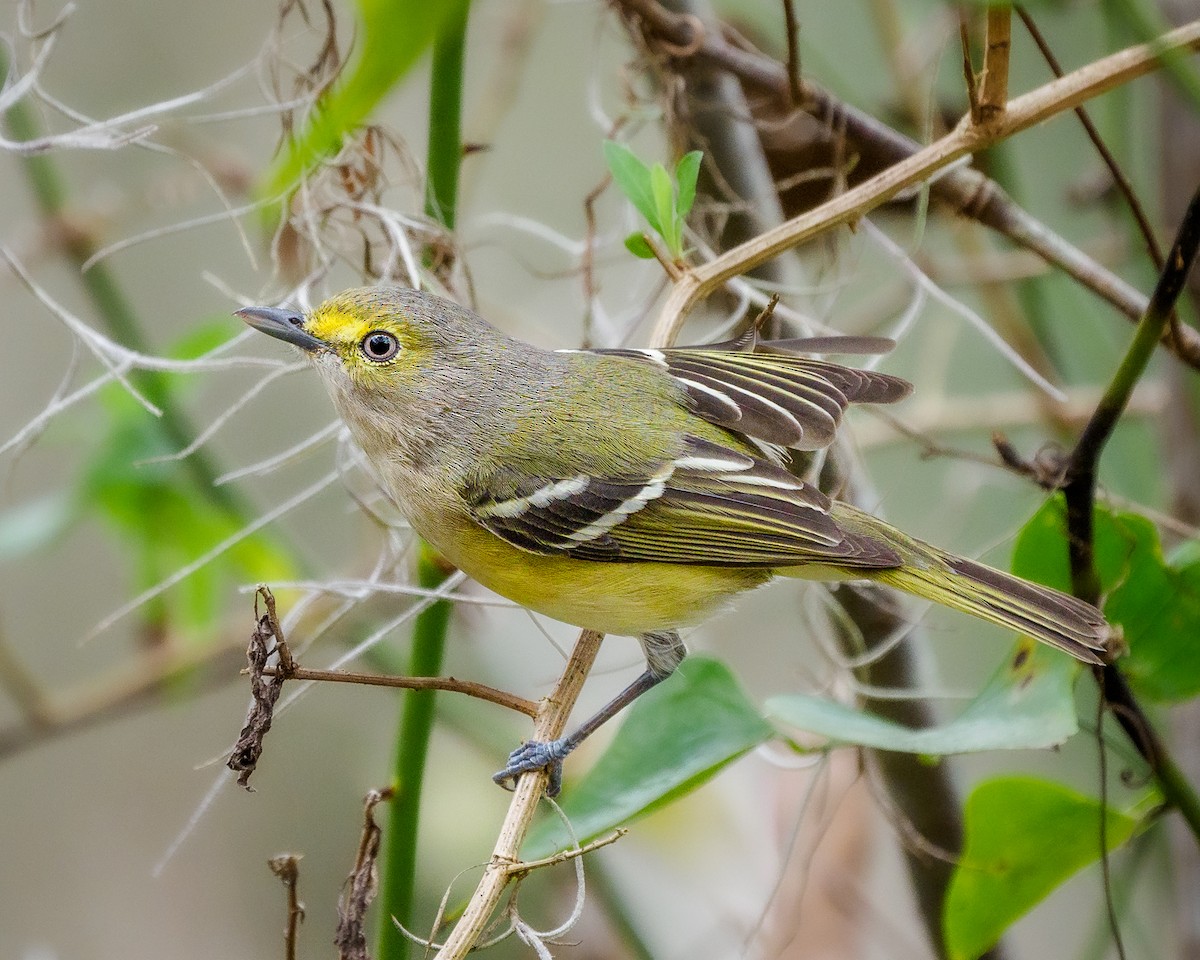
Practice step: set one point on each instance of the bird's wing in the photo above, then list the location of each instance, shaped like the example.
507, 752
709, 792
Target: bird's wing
711, 505
770, 391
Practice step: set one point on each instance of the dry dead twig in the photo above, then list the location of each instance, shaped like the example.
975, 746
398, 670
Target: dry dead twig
361, 885
286, 867
263, 688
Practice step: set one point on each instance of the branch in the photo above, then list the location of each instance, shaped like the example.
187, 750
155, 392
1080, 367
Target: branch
993, 87
122, 690
551, 721
480, 691
966, 191
1023, 112
1080, 490
1081, 470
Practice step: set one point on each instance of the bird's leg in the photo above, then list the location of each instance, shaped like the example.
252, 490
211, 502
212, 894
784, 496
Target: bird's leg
664, 652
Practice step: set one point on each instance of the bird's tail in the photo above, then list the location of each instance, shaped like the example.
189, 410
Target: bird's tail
1029, 608
1042, 613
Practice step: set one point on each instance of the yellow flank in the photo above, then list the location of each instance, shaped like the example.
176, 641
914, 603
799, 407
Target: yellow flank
627, 599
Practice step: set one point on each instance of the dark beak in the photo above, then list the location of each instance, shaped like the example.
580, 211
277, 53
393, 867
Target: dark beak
285, 325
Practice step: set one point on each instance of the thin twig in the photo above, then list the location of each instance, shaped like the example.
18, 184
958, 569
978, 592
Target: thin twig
286, 867
968, 68
993, 88
1114, 169
792, 26
523, 867
673, 269
479, 691
587, 260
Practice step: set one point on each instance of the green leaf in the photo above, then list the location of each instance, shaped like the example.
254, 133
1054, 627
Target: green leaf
1027, 704
163, 521
393, 36
633, 178
687, 171
664, 207
636, 244
1040, 552
1023, 838
675, 738
1157, 604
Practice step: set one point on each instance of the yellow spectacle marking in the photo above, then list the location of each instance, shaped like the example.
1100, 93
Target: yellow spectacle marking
335, 326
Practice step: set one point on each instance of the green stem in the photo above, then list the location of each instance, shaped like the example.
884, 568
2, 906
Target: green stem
399, 863
398, 885
1080, 491
1179, 791
444, 154
50, 191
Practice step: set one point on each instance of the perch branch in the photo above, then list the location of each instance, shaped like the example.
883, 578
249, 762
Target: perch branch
550, 722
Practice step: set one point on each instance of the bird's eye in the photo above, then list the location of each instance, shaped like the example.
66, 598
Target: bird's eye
380, 346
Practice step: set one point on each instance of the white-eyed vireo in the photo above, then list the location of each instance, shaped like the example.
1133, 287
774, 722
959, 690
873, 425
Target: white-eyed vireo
627, 491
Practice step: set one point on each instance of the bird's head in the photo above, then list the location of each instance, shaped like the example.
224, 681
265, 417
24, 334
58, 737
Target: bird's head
392, 358
370, 338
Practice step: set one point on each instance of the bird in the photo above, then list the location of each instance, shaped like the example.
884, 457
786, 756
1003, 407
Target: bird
629, 491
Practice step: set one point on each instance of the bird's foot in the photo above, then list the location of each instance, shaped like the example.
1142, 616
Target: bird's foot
536, 755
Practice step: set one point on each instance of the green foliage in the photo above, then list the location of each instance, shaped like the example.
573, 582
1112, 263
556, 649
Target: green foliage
399, 875
1027, 704
1024, 837
664, 204
1156, 602
393, 35
163, 520
675, 738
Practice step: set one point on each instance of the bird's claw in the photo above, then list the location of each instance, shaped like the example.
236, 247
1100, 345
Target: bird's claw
531, 756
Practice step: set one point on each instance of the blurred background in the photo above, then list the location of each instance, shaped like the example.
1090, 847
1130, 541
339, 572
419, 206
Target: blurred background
121, 833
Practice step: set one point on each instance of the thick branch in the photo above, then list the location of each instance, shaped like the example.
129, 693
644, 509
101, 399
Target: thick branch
1023, 112
964, 190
